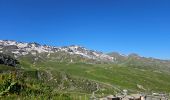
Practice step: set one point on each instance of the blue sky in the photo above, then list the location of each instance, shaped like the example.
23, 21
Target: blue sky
125, 26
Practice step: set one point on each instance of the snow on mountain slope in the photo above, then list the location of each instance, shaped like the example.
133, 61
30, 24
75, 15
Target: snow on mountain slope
20, 48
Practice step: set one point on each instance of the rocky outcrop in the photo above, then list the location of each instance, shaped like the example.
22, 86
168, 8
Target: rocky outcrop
8, 60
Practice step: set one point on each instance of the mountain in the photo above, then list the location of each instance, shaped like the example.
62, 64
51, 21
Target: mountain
29, 70
76, 53
134, 60
21, 49
18, 49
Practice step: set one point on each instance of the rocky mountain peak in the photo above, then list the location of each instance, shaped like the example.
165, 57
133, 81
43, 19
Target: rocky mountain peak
20, 48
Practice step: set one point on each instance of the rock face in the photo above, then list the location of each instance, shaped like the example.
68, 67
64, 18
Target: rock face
7, 60
20, 49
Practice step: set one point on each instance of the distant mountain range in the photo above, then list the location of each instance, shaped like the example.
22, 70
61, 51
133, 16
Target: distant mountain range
21, 49
76, 53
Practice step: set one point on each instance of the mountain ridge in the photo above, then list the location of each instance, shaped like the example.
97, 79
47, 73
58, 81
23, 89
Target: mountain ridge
21, 48
70, 48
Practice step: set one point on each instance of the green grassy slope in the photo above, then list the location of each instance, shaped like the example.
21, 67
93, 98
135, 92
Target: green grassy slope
117, 76
25, 85
58, 78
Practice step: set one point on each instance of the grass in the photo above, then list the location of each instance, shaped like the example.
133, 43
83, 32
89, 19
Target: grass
120, 76
68, 81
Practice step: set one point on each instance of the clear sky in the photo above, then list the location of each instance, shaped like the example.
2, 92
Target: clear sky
125, 26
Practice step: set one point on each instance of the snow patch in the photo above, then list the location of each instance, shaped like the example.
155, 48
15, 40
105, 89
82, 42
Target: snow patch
22, 45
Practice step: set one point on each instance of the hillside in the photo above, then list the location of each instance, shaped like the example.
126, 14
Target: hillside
74, 71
